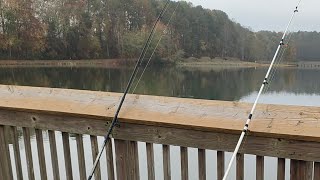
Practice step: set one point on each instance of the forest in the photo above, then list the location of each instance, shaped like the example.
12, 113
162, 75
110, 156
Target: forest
117, 29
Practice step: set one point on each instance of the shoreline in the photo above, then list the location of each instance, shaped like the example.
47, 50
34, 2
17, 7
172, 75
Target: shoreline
117, 63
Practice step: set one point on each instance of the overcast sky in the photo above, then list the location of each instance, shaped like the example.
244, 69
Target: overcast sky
268, 14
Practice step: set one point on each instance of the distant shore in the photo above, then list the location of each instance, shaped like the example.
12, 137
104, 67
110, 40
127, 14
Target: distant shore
219, 62
117, 63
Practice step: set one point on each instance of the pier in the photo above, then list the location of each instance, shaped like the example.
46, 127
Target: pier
281, 131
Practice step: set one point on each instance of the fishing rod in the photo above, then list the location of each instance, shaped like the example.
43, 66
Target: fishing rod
138, 63
264, 83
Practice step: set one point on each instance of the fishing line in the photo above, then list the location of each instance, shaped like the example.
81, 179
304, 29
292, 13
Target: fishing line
154, 50
264, 83
140, 64
274, 71
115, 118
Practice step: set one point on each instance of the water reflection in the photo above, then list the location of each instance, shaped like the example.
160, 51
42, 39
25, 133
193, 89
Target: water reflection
220, 84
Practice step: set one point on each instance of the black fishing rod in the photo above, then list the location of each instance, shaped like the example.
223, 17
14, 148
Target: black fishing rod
115, 118
264, 83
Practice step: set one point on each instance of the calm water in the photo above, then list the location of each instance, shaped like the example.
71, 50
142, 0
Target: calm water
292, 86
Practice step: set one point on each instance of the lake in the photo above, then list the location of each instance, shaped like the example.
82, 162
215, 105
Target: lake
290, 86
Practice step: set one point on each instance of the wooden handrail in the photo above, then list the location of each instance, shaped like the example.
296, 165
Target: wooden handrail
275, 121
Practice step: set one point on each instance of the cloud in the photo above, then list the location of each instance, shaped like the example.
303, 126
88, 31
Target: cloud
268, 15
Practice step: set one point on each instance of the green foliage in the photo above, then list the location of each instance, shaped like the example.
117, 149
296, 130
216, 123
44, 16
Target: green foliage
72, 29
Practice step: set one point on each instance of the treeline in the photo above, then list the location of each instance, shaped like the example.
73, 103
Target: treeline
101, 29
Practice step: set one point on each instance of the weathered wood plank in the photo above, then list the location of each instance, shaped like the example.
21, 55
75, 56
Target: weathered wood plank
16, 151
7, 138
184, 163
5, 156
121, 149
41, 156
202, 164
316, 171
27, 145
220, 165
281, 169
67, 155
95, 151
166, 162
109, 156
262, 146
276, 121
54, 155
301, 170
150, 161
259, 168
81, 160
240, 167
133, 160
294, 171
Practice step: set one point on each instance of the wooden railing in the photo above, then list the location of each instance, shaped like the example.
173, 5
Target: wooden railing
284, 132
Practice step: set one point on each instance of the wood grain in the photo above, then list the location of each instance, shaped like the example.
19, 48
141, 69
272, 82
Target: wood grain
109, 156
202, 164
262, 146
133, 160
121, 149
67, 155
240, 167
259, 168
6, 170
27, 145
95, 151
316, 171
184, 163
41, 156
281, 169
166, 162
54, 155
301, 170
150, 161
276, 121
16, 150
220, 164
81, 160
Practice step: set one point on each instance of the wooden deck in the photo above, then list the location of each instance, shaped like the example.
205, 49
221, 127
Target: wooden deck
290, 132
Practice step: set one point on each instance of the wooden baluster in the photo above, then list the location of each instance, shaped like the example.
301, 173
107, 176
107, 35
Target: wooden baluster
109, 156
184, 163
259, 168
81, 160
294, 171
240, 167
166, 162
27, 144
281, 169
133, 160
121, 148
16, 151
150, 161
67, 155
54, 156
95, 151
220, 165
6, 168
316, 171
42, 160
202, 164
